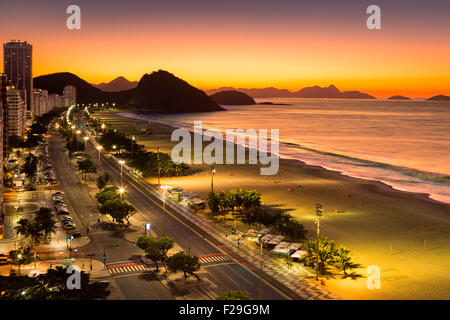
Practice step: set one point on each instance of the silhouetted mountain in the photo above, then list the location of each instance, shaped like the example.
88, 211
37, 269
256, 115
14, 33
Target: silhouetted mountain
308, 92
232, 97
330, 92
86, 93
440, 97
116, 85
162, 92
399, 98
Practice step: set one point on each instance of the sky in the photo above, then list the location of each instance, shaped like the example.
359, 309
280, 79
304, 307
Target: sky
243, 43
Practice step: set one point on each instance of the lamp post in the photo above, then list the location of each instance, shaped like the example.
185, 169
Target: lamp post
121, 170
99, 148
159, 170
319, 212
132, 146
86, 138
78, 135
212, 179
103, 126
261, 269
164, 209
121, 192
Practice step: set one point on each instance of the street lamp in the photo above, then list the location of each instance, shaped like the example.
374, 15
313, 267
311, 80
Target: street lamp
99, 148
132, 145
86, 138
122, 162
114, 148
121, 192
78, 134
319, 213
164, 209
103, 126
261, 269
20, 257
212, 179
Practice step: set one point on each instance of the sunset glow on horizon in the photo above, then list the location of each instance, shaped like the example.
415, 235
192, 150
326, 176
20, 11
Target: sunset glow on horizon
215, 46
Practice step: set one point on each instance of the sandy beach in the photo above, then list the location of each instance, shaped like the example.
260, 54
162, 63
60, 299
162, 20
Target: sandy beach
368, 217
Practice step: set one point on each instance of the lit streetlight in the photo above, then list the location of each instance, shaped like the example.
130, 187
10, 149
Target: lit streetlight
212, 178
86, 138
121, 192
319, 213
99, 148
261, 269
122, 162
164, 209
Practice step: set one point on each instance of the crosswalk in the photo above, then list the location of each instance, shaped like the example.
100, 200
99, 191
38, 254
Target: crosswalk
212, 259
129, 267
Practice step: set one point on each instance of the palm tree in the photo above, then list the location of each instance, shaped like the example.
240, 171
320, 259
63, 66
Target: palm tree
48, 226
23, 228
325, 255
343, 260
35, 232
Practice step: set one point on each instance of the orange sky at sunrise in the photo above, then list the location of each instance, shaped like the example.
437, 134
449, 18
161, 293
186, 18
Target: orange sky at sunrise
398, 59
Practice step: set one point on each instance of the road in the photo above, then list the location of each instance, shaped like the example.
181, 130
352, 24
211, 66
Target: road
225, 276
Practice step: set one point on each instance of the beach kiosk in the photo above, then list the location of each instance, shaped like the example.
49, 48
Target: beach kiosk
276, 240
298, 254
252, 235
266, 238
282, 248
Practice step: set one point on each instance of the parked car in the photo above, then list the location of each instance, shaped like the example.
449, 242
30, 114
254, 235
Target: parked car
69, 227
63, 212
5, 260
76, 235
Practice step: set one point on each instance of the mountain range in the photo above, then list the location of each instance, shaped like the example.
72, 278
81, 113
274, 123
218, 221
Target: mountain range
308, 92
158, 92
116, 85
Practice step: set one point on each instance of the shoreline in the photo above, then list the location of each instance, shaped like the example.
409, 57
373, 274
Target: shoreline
381, 185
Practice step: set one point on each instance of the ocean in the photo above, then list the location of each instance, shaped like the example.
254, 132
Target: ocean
405, 144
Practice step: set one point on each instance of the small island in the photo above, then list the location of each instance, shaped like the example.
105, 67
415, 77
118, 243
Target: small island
398, 97
232, 97
439, 97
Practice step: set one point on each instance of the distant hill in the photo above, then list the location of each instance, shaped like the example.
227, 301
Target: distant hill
232, 97
308, 92
440, 97
116, 85
86, 93
399, 98
256, 93
330, 92
162, 92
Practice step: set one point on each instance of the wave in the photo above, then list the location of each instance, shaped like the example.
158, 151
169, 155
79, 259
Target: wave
415, 173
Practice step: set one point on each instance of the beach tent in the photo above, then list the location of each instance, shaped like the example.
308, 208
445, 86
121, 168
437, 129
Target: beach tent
264, 231
282, 248
276, 240
295, 246
267, 237
252, 235
197, 204
298, 254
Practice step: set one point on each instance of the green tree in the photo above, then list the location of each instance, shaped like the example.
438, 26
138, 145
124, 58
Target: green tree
325, 255
234, 295
30, 166
119, 210
103, 180
51, 286
87, 166
185, 263
21, 257
343, 260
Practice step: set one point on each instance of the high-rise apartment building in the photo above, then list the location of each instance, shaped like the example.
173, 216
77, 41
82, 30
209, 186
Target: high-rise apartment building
16, 110
69, 95
17, 64
4, 117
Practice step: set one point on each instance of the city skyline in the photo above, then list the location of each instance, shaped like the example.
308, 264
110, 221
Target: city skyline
286, 45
